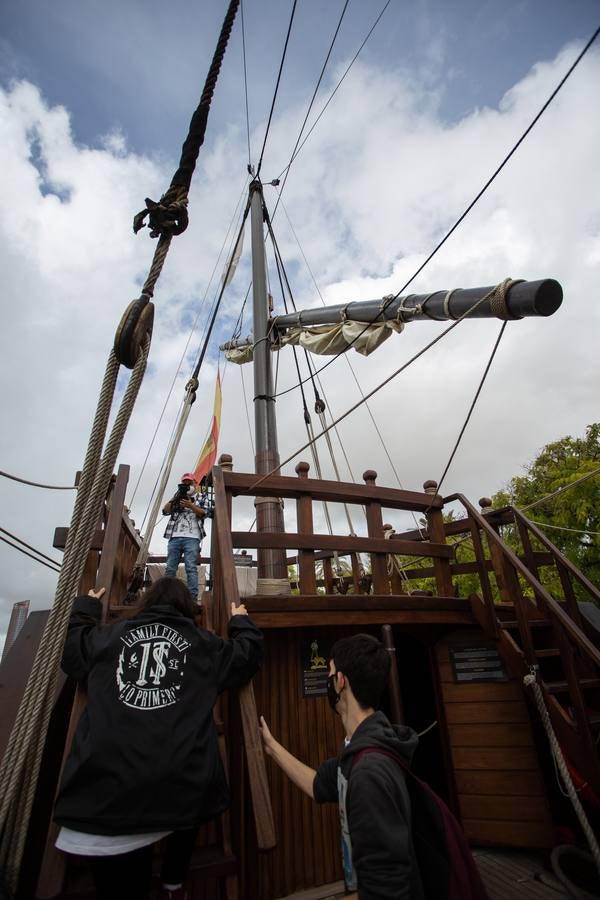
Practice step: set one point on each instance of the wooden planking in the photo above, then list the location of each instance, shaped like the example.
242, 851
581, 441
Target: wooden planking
514, 875
496, 766
491, 783
523, 759
374, 602
500, 712
307, 852
490, 735
316, 619
509, 834
504, 808
485, 692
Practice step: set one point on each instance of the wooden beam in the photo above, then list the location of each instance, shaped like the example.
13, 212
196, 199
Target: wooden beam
257, 774
290, 541
333, 491
318, 619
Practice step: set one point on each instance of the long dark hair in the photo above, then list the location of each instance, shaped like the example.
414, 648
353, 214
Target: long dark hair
170, 591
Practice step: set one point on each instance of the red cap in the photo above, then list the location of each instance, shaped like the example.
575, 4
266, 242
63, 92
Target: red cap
189, 476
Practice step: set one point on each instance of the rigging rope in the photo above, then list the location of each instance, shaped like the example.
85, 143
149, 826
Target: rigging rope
498, 289
246, 85
561, 490
312, 100
185, 349
20, 549
335, 90
319, 404
531, 681
20, 765
49, 487
350, 366
476, 397
190, 397
287, 38
463, 216
56, 562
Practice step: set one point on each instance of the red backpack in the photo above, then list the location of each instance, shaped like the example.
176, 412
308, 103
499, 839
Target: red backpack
446, 865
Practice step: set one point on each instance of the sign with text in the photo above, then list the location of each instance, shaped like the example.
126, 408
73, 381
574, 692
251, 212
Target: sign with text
476, 664
315, 666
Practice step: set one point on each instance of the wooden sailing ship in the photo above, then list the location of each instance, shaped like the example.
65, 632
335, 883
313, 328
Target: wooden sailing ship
459, 659
487, 753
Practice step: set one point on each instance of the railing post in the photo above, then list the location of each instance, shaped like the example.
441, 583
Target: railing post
307, 577
499, 564
381, 581
396, 580
437, 534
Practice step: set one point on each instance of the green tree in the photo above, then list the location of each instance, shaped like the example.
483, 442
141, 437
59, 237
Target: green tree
573, 516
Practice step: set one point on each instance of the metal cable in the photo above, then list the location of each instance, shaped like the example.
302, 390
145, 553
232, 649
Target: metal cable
29, 547
472, 407
287, 38
49, 487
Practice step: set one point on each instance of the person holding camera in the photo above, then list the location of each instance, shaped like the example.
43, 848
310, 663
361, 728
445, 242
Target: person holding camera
185, 530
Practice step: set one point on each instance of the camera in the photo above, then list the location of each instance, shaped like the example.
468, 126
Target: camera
183, 490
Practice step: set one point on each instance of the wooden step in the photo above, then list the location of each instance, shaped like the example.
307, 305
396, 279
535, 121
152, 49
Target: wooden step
562, 687
533, 623
553, 651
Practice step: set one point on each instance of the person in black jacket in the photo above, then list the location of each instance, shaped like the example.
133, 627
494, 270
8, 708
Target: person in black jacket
370, 789
145, 762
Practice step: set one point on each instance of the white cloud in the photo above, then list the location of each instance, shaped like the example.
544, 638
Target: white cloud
374, 189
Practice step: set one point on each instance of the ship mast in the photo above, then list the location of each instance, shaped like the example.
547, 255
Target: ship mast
269, 513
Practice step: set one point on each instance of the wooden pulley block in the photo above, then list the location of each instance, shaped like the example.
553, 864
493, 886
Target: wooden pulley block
135, 324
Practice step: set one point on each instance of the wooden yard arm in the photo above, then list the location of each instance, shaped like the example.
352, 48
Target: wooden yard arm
257, 774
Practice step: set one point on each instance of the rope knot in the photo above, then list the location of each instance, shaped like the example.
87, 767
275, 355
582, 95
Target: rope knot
164, 219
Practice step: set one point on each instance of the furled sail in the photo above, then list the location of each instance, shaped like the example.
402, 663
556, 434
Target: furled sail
326, 340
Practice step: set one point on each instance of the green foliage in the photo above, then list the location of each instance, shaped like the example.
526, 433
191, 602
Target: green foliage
558, 464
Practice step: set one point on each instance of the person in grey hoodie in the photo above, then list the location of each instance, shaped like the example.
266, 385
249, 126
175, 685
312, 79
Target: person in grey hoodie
377, 850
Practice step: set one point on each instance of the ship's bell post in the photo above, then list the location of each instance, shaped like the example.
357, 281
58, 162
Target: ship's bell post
269, 513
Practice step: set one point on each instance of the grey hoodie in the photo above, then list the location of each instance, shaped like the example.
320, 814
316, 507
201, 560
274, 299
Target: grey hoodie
377, 851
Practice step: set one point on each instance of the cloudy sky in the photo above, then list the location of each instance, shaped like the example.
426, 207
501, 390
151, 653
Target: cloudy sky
95, 100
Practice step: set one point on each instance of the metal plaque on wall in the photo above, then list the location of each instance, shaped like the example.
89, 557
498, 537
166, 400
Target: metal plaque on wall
476, 664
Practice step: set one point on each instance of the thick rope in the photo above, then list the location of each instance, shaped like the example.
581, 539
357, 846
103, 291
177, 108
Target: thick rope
22, 759
531, 681
169, 217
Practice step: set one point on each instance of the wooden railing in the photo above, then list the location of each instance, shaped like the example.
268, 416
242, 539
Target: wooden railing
571, 704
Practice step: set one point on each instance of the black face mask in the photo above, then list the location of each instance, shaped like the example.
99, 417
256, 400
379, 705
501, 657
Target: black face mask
332, 695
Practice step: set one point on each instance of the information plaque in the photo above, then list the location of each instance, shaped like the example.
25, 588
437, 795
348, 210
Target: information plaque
315, 666
476, 664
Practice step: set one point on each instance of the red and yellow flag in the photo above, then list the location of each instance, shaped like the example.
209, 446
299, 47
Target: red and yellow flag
208, 454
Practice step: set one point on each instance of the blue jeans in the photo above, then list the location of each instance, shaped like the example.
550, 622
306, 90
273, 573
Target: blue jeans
189, 548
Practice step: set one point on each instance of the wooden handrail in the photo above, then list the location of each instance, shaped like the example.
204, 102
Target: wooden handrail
552, 606
330, 491
573, 570
292, 541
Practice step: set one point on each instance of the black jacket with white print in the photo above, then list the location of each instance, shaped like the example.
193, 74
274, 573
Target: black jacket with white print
145, 755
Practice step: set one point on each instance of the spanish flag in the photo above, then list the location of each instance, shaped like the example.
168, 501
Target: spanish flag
208, 454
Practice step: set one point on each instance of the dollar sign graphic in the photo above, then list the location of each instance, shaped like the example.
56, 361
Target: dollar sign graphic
160, 651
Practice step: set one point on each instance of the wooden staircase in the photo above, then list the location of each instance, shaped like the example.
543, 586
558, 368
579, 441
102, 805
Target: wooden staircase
541, 633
